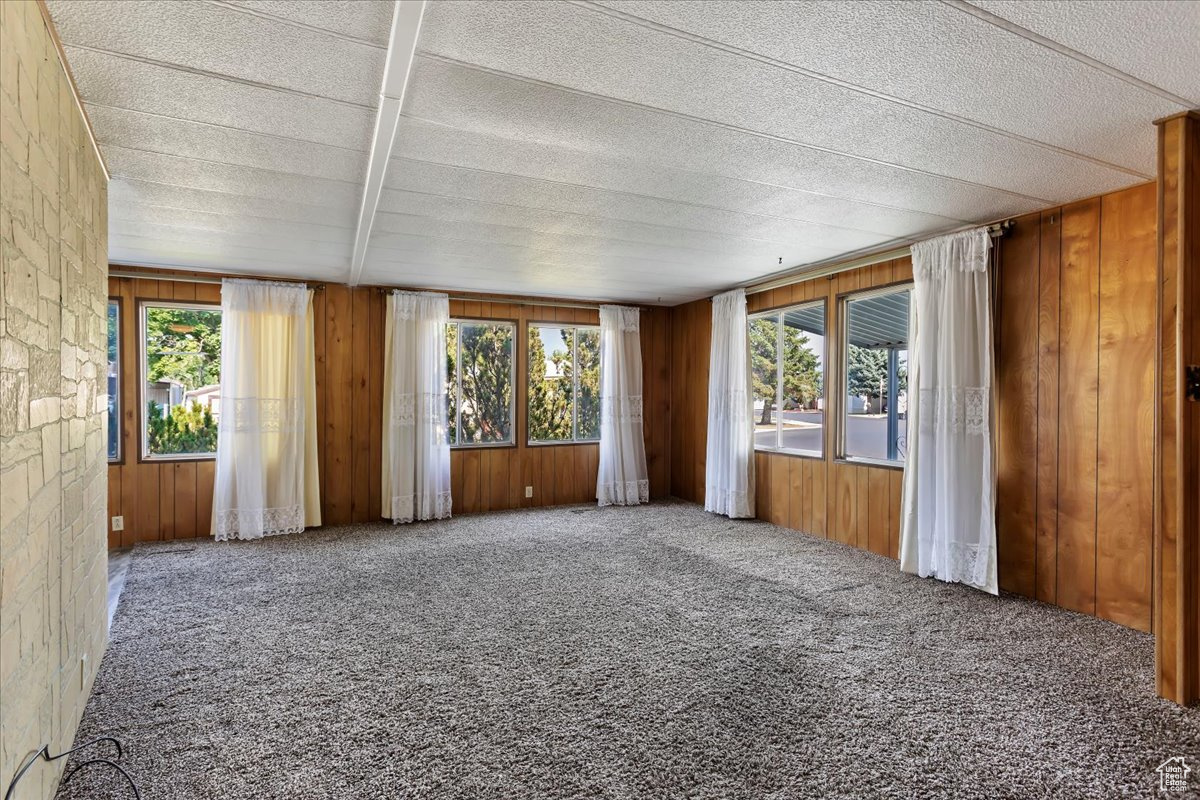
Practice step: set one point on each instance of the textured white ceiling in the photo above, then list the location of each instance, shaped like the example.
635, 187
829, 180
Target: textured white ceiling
1153, 41
643, 150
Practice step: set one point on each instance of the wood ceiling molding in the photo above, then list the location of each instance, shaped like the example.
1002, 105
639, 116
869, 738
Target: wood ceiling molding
406, 27
62, 60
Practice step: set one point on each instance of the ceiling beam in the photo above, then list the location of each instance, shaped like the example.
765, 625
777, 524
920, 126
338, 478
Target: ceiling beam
406, 27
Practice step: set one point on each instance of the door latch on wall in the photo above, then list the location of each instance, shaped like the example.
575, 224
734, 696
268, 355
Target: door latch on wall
1192, 382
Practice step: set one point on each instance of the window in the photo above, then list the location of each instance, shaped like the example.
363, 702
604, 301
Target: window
181, 380
114, 382
787, 355
479, 382
875, 366
564, 384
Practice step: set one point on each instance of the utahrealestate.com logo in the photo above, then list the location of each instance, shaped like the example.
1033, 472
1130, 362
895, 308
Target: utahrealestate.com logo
1173, 775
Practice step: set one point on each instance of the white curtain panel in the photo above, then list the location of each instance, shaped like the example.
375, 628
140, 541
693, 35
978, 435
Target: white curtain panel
948, 528
622, 480
729, 468
266, 481
416, 447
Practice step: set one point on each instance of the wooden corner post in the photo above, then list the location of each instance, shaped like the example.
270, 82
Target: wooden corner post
1177, 463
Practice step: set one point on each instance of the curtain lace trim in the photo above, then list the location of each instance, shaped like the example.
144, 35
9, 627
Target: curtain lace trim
623, 493
276, 297
730, 502
627, 319
956, 408
409, 507
410, 305
965, 562
262, 414
621, 409
407, 407
232, 522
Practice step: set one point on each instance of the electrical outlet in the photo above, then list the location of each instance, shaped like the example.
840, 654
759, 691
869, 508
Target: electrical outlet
118, 523
529, 491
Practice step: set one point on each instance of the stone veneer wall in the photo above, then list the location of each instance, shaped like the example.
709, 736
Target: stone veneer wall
53, 483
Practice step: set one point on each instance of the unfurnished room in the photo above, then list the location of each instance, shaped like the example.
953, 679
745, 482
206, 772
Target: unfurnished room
712, 399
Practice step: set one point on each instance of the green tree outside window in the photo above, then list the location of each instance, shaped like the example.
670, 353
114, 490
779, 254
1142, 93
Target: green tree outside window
183, 348
564, 384
484, 376
802, 382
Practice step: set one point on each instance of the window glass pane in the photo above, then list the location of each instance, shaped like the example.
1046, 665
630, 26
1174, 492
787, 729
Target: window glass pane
452, 383
114, 367
182, 352
876, 392
803, 414
551, 391
486, 373
588, 356
764, 346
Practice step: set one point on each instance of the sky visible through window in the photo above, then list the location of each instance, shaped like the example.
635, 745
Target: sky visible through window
552, 340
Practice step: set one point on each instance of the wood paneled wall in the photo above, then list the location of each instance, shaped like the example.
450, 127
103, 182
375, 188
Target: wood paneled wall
1076, 348
491, 479
856, 504
1177, 460
1075, 336
164, 499
173, 500
691, 337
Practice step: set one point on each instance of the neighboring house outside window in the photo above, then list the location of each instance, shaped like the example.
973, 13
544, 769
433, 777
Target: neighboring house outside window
874, 338
787, 358
564, 383
180, 362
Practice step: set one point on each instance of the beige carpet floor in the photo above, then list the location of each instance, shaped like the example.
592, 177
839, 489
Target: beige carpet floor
614, 653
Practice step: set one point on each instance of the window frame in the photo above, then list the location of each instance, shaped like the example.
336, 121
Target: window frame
843, 330
118, 405
574, 440
144, 303
512, 379
778, 312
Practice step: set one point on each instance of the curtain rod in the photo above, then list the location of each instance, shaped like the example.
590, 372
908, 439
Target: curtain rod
491, 298
116, 273
516, 301
825, 269
381, 289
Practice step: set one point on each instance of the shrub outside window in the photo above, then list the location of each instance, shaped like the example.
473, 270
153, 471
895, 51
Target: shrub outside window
180, 354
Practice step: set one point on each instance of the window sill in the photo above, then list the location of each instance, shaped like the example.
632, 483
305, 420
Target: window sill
870, 462
781, 451
563, 443
177, 459
484, 446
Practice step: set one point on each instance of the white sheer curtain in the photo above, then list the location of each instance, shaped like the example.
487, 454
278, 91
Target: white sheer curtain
266, 481
416, 449
622, 479
729, 478
948, 528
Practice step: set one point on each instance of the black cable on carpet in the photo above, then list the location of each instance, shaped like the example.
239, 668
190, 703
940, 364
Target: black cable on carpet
44, 754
